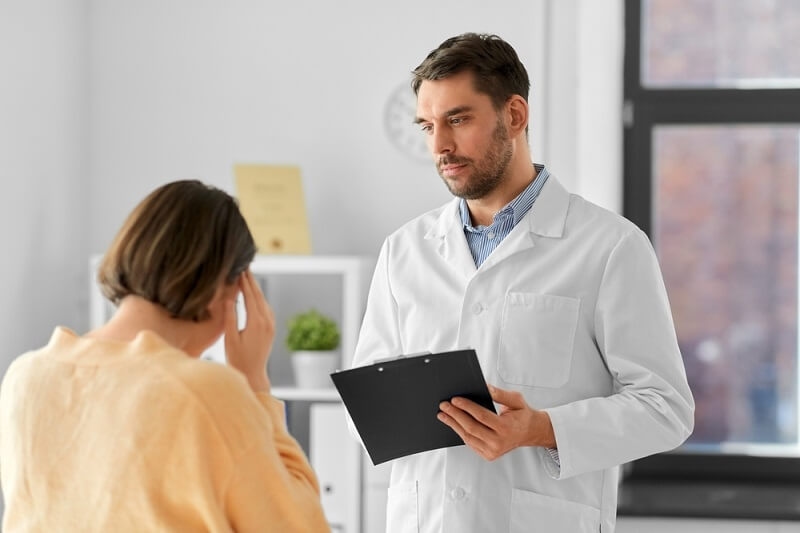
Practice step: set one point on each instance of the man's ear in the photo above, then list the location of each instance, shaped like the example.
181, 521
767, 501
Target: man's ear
518, 114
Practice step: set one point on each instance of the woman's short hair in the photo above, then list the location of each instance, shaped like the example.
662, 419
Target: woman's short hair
176, 246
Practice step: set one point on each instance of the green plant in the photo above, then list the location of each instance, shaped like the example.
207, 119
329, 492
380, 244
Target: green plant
312, 331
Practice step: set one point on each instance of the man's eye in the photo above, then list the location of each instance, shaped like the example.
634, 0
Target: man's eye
427, 128
455, 121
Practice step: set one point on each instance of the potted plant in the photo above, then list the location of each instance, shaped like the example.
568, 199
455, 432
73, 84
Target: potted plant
313, 339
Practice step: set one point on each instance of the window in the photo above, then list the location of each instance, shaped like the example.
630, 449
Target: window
712, 166
720, 43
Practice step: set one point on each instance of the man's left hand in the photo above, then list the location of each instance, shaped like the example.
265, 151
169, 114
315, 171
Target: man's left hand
493, 435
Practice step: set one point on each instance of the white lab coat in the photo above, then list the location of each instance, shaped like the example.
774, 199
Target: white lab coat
570, 310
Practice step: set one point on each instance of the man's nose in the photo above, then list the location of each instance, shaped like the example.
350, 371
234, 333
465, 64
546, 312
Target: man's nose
441, 141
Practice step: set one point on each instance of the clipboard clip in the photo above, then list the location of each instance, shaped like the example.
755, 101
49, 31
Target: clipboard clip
378, 362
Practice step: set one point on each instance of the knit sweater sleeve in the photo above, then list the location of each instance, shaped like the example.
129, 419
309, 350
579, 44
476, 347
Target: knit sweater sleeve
273, 487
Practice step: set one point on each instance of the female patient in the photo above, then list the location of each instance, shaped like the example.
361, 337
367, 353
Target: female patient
124, 429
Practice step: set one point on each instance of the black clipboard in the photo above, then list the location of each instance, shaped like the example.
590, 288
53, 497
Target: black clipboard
394, 403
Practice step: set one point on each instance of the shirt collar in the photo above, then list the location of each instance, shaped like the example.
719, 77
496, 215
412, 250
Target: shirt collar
519, 206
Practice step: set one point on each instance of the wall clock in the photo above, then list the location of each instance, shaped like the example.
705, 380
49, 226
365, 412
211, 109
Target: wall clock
398, 119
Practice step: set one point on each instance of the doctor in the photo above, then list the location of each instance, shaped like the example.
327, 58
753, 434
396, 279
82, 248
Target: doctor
563, 301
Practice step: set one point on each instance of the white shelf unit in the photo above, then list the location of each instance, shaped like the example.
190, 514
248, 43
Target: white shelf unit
341, 497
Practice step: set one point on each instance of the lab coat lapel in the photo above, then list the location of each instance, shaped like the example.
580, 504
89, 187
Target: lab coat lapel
451, 244
547, 218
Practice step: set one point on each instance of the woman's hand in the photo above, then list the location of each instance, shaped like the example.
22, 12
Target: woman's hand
248, 350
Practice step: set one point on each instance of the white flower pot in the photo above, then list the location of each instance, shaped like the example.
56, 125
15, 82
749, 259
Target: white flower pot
312, 369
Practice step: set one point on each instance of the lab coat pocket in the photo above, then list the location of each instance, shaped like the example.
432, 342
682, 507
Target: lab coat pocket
533, 513
537, 334
401, 509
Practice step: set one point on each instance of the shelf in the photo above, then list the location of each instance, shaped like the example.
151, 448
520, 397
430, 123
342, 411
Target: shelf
307, 264
310, 395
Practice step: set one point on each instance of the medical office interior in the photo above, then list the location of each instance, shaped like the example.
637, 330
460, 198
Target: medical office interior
102, 101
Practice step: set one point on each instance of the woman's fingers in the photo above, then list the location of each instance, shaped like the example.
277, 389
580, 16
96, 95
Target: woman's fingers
248, 349
254, 302
245, 283
258, 296
256, 305
231, 324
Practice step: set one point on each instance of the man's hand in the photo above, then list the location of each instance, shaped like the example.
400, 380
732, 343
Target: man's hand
493, 435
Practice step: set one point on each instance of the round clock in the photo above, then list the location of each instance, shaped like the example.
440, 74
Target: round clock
398, 118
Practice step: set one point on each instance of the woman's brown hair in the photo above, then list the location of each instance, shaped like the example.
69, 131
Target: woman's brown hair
176, 246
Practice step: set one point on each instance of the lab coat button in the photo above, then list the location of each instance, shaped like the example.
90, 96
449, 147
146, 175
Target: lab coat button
477, 309
457, 493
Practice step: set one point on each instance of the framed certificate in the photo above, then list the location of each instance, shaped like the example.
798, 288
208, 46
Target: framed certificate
272, 202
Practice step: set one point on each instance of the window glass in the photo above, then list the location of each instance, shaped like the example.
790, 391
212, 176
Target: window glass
725, 228
720, 43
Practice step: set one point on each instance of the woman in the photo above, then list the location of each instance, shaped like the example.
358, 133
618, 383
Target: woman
124, 428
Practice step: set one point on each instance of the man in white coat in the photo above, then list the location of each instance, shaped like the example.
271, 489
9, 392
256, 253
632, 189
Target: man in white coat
563, 301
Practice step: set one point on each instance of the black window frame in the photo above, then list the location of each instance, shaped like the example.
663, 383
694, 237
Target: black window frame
645, 108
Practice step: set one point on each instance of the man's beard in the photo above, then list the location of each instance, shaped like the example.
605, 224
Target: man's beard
487, 173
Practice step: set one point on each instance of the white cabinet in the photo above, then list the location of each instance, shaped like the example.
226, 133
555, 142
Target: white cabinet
335, 455
336, 463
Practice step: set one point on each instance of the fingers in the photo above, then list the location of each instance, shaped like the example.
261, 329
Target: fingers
246, 284
469, 439
251, 295
255, 303
454, 425
248, 349
476, 420
266, 309
256, 294
231, 325
475, 411
490, 435
512, 399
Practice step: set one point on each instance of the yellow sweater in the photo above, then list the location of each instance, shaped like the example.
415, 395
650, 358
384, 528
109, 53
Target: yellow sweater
114, 437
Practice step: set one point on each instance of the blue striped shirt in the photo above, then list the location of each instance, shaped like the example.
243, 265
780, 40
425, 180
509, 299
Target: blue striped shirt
482, 240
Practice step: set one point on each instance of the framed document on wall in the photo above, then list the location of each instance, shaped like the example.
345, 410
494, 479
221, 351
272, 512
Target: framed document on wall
272, 202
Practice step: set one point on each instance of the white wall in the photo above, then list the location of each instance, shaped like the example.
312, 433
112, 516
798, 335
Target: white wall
104, 100
183, 88
43, 170
583, 73
187, 88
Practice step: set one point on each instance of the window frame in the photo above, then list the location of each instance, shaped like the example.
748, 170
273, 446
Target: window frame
645, 108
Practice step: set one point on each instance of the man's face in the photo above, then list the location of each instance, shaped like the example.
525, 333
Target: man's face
465, 134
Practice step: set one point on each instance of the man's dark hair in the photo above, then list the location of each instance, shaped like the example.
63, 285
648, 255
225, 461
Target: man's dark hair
495, 65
